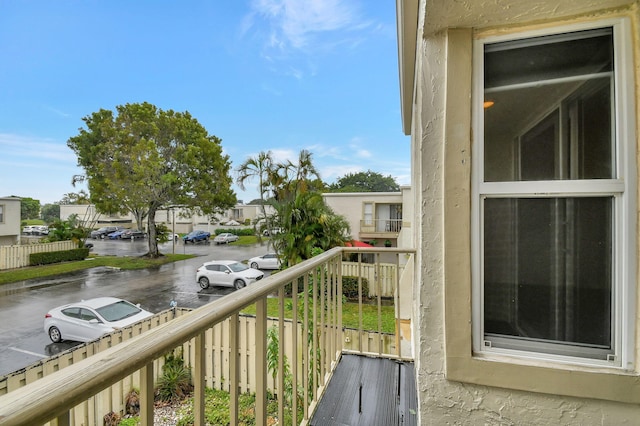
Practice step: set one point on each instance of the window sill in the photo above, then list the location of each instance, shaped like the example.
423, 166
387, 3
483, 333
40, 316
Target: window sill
532, 375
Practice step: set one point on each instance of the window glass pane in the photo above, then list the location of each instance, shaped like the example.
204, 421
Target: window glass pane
547, 273
548, 108
368, 214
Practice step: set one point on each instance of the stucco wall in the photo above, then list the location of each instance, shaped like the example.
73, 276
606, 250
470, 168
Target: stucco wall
445, 401
350, 205
10, 226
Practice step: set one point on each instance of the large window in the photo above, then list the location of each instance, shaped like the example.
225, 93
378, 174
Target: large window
553, 205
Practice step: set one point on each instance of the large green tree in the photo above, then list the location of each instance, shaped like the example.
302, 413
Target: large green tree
80, 197
142, 158
365, 182
50, 213
29, 208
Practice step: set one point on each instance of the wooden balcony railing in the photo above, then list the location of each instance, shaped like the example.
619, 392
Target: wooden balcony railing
315, 332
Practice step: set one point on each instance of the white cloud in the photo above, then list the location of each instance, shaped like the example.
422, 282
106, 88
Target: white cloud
26, 147
57, 111
294, 22
331, 173
282, 155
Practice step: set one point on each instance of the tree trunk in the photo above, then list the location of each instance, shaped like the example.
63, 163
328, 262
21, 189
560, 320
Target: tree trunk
153, 235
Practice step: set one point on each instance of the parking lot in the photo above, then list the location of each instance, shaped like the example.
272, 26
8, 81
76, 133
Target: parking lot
24, 304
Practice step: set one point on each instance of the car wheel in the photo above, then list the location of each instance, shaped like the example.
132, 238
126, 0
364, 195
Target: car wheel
55, 335
254, 265
204, 282
238, 284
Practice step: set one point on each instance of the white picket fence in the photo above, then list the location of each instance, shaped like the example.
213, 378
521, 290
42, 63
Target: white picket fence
17, 256
384, 278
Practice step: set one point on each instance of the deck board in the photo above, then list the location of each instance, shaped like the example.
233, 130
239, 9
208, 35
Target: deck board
367, 391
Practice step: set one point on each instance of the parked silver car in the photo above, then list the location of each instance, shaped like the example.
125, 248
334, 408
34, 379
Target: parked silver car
225, 238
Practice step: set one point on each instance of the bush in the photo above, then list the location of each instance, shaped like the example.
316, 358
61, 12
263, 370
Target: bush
350, 287
238, 231
47, 258
175, 382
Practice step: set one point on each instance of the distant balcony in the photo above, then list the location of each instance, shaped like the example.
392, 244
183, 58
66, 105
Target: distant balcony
380, 226
227, 350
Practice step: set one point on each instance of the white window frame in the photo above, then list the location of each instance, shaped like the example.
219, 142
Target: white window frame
623, 188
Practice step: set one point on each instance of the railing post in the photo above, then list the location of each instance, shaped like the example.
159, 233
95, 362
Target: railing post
64, 419
281, 385
234, 367
360, 327
396, 304
306, 358
261, 361
198, 381
294, 358
146, 395
379, 302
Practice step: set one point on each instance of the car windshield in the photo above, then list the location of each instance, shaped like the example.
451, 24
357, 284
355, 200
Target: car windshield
238, 267
118, 311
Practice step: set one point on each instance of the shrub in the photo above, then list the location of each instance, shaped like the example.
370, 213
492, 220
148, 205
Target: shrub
238, 231
350, 287
111, 419
175, 382
47, 258
132, 402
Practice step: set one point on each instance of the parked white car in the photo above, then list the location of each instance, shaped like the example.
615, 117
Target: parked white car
35, 230
228, 273
89, 319
225, 238
266, 261
272, 231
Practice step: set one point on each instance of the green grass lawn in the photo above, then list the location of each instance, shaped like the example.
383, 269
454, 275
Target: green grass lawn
350, 314
21, 274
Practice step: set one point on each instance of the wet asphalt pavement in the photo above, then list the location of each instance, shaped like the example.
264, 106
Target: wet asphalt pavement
24, 304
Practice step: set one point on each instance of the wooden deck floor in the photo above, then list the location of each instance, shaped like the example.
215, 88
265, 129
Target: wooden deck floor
366, 391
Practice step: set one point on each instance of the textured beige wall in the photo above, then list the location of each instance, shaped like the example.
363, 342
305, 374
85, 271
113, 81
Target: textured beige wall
441, 147
10, 228
350, 205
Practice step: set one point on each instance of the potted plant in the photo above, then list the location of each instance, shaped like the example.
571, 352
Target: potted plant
387, 243
373, 242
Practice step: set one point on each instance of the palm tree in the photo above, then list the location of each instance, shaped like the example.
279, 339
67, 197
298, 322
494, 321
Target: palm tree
289, 179
261, 167
305, 170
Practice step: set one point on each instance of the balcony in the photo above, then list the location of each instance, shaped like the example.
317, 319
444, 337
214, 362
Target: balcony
371, 229
227, 350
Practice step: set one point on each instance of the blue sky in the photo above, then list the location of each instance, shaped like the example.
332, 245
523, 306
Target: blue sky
279, 75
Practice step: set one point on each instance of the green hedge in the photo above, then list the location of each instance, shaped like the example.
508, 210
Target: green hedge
58, 256
349, 287
237, 231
